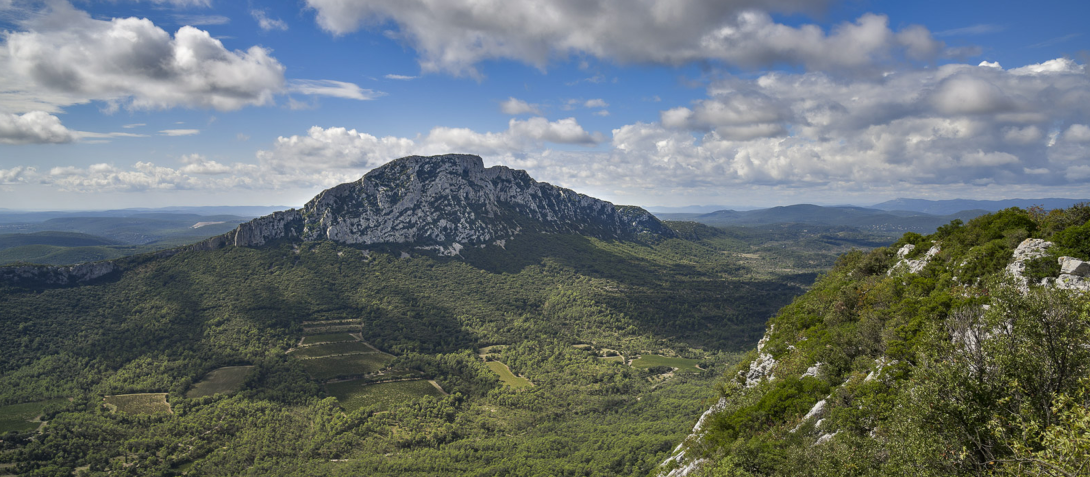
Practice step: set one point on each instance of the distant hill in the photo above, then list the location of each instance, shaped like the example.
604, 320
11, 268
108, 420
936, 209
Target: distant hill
8, 216
896, 221
62, 239
945, 207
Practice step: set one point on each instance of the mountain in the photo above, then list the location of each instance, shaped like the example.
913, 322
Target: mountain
447, 201
963, 352
946, 207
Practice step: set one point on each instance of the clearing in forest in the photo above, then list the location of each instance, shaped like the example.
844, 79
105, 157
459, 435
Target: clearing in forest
353, 395
343, 366
334, 349
23, 417
683, 365
507, 376
143, 403
327, 338
223, 380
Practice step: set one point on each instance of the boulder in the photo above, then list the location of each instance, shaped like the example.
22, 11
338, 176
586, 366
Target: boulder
1074, 266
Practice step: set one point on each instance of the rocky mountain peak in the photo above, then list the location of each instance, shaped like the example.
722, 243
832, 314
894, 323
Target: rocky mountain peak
446, 200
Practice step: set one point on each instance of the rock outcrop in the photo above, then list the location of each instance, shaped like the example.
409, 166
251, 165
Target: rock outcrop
443, 201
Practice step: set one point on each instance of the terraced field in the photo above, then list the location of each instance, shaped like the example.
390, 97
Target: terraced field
144, 403
333, 367
333, 349
353, 395
222, 380
21, 417
327, 338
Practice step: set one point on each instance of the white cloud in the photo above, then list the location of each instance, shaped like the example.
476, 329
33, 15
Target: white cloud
135, 125
66, 57
399, 77
36, 127
337, 89
198, 164
266, 23
456, 35
16, 174
596, 103
1077, 133
180, 132
62, 56
603, 113
1023, 136
514, 107
201, 20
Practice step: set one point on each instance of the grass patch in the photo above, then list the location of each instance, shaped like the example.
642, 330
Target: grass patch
17, 417
333, 349
619, 359
144, 403
328, 338
353, 395
222, 380
346, 366
684, 365
506, 376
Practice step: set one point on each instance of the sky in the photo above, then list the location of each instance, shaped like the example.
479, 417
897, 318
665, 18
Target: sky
744, 103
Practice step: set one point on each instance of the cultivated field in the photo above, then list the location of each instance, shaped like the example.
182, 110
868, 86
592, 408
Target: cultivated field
683, 365
333, 367
333, 349
507, 376
19, 417
353, 395
222, 380
327, 338
145, 403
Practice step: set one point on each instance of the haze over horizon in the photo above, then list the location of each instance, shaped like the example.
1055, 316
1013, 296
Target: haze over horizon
660, 103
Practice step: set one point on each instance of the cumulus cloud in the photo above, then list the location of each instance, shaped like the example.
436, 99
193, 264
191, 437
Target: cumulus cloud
399, 77
266, 23
596, 103
1077, 133
515, 107
35, 127
63, 56
455, 35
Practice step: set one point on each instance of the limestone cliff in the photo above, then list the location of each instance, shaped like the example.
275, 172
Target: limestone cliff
446, 200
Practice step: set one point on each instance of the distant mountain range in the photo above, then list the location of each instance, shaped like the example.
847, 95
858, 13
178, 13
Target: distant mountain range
946, 207
893, 221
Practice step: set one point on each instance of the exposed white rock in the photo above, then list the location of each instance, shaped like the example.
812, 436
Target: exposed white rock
817, 410
812, 370
1074, 266
442, 200
1028, 250
913, 266
759, 369
825, 438
880, 365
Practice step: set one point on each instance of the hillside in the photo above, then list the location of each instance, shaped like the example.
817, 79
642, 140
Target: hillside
542, 352
964, 352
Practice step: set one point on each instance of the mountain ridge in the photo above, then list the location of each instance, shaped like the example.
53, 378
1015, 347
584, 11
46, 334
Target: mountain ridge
449, 200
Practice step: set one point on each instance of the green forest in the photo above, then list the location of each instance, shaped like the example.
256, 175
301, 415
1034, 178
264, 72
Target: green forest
953, 367
324, 359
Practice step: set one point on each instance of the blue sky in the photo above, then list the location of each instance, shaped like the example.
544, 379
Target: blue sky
128, 103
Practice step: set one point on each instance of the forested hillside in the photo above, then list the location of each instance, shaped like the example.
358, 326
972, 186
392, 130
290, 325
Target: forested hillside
612, 349
964, 352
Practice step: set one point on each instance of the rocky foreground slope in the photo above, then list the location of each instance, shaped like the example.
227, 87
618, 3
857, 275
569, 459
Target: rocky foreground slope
965, 352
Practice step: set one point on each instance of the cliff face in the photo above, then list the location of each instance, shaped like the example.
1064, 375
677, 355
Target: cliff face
447, 200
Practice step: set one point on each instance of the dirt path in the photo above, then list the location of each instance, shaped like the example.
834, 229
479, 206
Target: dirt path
437, 386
